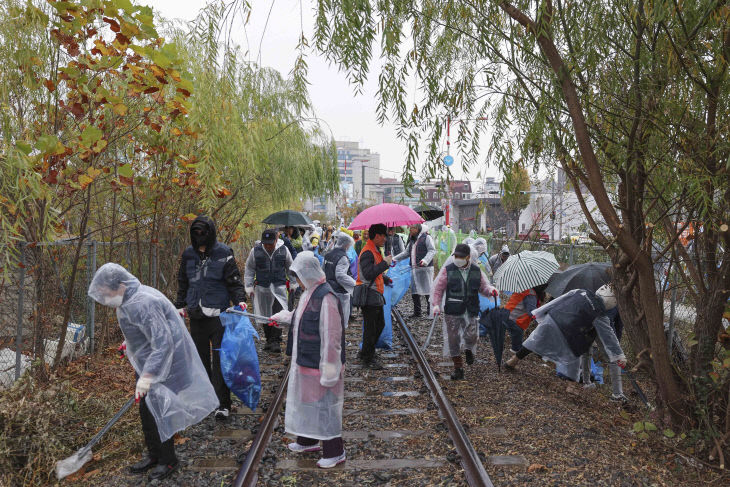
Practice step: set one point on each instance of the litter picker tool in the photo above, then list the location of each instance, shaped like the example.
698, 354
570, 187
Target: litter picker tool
73, 463
250, 315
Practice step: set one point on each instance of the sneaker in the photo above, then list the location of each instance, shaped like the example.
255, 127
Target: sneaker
143, 465
163, 471
331, 462
297, 448
469, 357
221, 414
458, 374
511, 363
592, 385
619, 398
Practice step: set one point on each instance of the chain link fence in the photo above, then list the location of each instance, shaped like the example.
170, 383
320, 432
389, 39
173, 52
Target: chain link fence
34, 297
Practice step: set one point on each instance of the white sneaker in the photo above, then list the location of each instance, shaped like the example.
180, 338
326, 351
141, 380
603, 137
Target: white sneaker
221, 414
592, 385
619, 398
297, 448
331, 462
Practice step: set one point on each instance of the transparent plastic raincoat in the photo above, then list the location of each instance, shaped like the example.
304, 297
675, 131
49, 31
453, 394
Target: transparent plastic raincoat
263, 297
315, 397
159, 347
422, 276
549, 342
345, 242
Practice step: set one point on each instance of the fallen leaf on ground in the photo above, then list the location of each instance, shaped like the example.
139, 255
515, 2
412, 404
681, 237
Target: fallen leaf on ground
536, 467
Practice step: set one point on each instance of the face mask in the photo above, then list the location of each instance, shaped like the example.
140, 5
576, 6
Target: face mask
199, 240
113, 301
460, 262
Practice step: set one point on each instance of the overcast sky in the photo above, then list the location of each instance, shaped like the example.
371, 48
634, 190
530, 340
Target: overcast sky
350, 117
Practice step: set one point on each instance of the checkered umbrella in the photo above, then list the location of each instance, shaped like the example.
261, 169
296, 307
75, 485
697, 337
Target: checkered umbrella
525, 270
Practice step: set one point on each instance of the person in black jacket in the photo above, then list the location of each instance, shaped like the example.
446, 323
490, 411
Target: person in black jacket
370, 273
209, 282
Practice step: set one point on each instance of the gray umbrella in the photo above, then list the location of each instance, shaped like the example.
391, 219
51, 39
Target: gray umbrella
589, 276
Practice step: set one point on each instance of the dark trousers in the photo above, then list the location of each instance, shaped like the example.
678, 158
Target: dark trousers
272, 333
522, 353
330, 448
374, 324
207, 332
162, 451
417, 303
516, 334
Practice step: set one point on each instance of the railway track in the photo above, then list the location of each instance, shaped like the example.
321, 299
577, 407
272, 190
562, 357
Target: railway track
398, 426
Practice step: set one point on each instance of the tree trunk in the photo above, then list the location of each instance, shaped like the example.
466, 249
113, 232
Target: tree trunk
634, 322
708, 323
664, 373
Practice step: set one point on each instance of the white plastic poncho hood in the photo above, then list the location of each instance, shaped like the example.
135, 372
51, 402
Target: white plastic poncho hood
159, 347
315, 397
344, 242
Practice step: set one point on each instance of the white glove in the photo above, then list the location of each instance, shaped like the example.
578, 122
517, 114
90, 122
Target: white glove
143, 387
621, 361
328, 375
436, 310
282, 316
182, 312
422, 263
249, 291
243, 306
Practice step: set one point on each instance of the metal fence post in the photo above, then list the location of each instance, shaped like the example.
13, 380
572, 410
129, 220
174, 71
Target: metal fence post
21, 291
570, 257
91, 306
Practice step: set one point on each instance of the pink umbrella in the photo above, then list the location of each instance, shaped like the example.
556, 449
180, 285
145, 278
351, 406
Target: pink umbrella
389, 214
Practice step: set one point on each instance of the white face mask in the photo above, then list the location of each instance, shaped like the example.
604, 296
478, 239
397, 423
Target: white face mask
460, 262
113, 301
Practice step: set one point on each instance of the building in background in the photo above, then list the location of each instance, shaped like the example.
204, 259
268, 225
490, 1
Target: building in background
359, 170
482, 215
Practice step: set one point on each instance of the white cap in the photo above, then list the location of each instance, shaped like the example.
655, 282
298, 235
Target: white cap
505, 249
606, 294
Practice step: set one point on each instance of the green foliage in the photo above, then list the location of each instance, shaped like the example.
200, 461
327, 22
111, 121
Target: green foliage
515, 185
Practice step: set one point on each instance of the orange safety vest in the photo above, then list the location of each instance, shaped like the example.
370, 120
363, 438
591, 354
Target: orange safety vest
523, 320
370, 247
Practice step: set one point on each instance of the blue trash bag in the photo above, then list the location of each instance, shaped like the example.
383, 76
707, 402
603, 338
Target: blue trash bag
401, 276
597, 372
352, 257
239, 360
485, 304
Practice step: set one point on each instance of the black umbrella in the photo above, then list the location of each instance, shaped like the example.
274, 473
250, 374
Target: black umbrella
494, 320
288, 218
589, 276
428, 212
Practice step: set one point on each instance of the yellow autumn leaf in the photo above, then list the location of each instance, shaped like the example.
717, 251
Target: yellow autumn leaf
176, 131
100, 145
84, 181
93, 172
120, 109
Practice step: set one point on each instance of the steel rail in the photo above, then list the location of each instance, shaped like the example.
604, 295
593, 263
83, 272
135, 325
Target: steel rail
248, 474
472, 465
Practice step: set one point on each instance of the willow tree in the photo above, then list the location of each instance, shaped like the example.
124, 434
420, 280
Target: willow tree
610, 91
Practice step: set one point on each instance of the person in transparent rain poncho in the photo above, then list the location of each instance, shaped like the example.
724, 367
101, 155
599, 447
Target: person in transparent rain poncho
456, 291
173, 388
337, 270
265, 280
567, 327
316, 343
421, 250
480, 245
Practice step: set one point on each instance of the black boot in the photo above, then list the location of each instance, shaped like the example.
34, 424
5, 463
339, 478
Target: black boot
274, 347
469, 357
458, 374
416, 305
143, 465
163, 471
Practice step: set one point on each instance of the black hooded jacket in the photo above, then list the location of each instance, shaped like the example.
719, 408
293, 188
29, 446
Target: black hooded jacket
211, 277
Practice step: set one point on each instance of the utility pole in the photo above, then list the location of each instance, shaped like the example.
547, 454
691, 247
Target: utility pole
363, 181
552, 210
